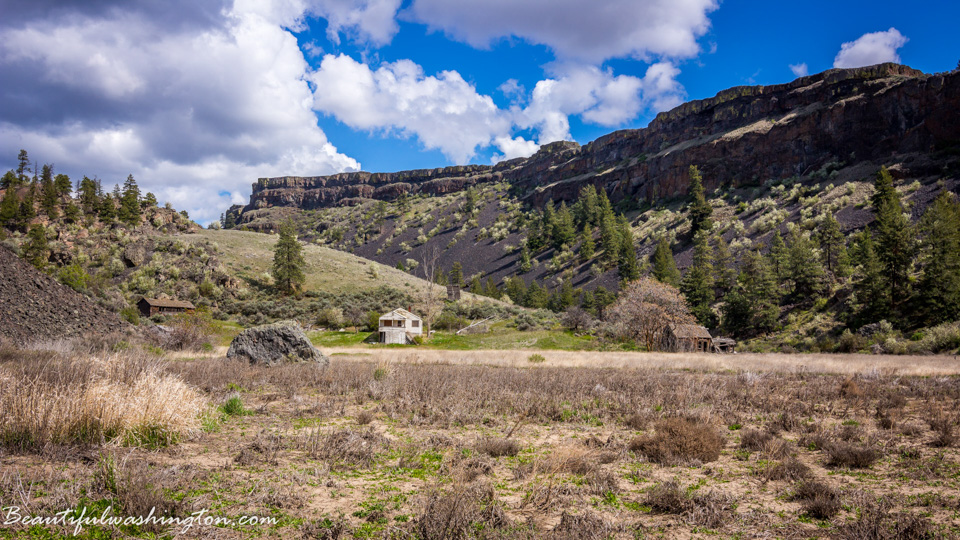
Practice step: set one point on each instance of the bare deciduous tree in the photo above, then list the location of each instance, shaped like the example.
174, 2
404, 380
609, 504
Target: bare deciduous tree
644, 311
430, 297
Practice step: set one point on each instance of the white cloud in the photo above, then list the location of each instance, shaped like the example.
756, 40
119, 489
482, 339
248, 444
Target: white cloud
870, 49
584, 30
800, 70
190, 112
599, 97
443, 111
513, 148
372, 21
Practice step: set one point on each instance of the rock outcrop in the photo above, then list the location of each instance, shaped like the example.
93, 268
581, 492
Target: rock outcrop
742, 136
34, 307
276, 343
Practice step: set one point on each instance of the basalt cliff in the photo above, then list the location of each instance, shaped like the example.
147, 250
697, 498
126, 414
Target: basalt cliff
746, 135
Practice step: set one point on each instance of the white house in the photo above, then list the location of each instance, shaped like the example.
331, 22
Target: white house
400, 326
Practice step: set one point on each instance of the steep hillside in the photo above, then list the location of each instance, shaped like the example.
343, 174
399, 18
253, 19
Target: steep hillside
35, 307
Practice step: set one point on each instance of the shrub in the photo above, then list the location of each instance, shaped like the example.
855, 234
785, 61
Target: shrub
819, 500
679, 439
189, 332
495, 447
74, 276
536, 359
844, 454
130, 314
754, 440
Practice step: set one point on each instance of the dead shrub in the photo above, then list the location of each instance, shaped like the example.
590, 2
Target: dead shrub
458, 513
603, 482
754, 440
678, 440
667, 498
818, 500
849, 389
188, 332
637, 421
875, 521
570, 460
943, 428
137, 488
844, 454
265, 447
588, 525
495, 447
365, 417
327, 528
705, 509
792, 469
344, 447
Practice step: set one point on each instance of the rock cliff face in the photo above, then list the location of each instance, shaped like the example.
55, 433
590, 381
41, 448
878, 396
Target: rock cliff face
742, 136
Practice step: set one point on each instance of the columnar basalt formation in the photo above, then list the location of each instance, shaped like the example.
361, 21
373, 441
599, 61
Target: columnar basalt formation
743, 135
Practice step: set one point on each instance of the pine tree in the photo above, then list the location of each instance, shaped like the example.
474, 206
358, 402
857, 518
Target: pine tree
832, 246
602, 298
515, 289
805, 269
48, 193
725, 272
565, 296
939, 286
491, 289
697, 284
535, 234
751, 307
895, 241
664, 266
35, 249
149, 200
587, 246
403, 203
23, 167
89, 196
129, 212
9, 180
288, 263
63, 184
609, 240
476, 286
627, 267
9, 208
107, 209
456, 274
71, 214
536, 297
872, 303
469, 201
778, 259
700, 209
27, 210
564, 230
587, 303
230, 221
526, 264
586, 209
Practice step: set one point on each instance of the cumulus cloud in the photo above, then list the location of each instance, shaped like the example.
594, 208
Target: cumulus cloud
443, 111
191, 110
799, 70
599, 97
870, 49
372, 21
513, 148
585, 30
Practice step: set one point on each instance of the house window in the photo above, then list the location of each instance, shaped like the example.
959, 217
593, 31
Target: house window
416, 324
388, 323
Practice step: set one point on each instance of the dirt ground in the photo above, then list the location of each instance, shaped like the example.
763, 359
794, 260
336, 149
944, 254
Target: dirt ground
440, 444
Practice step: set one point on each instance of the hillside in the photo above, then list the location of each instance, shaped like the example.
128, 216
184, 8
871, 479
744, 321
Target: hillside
774, 160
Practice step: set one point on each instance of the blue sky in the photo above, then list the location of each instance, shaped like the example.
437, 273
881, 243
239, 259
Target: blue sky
198, 98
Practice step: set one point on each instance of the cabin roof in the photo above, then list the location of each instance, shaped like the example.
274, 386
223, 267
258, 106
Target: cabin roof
157, 302
689, 331
399, 313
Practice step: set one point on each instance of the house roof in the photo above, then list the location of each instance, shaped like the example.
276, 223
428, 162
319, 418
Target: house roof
157, 302
689, 331
399, 313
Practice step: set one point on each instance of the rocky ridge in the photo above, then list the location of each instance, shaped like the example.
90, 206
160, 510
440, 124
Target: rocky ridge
742, 136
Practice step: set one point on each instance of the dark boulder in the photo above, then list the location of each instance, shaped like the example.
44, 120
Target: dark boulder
276, 343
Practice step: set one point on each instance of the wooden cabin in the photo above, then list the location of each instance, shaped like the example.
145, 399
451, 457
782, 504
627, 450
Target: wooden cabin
400, 327
724, 345
688, 338
156, 306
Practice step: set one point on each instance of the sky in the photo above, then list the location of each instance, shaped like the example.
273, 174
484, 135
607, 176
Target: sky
199, 98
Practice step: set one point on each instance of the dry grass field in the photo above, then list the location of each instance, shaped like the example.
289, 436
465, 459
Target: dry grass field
402, 443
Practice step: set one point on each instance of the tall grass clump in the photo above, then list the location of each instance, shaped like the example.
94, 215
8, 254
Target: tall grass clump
120, 398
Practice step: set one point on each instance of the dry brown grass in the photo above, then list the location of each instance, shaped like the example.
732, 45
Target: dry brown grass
50, 398
680, 440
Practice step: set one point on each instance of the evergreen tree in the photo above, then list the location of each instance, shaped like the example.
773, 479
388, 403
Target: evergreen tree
832, 246
604, 208
778, 259
28, 210
491, 289
456, 274
609, 240
150, 201
805, 269
564, 230
516, 289
35, 249
129, 212
700, 209
537, 297
586, 210
664, 266
380, 215
526, 264
403, 203
476, 286
71, 213
939, 290
469, 201
288, 263
566, 296
547, 217
587, 246
697, 285
588, 303
23, 167
627, 267
48, 193
440, 278
895, 242
63, 184
89, 196
107, 209
535, 234
601, 299
9, 180
725, 272
751, 307
871, 292
9, 208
